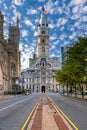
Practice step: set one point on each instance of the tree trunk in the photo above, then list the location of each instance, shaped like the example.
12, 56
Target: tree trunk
82, 91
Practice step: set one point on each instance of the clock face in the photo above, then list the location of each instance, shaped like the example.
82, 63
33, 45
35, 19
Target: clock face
43, 32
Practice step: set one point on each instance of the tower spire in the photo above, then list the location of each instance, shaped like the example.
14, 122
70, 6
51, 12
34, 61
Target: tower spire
17, 21
43, 35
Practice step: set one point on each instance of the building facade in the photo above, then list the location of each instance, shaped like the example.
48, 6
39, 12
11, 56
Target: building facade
63, 54
39, 76
9, 57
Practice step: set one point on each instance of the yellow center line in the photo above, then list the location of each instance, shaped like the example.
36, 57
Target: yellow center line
66, 117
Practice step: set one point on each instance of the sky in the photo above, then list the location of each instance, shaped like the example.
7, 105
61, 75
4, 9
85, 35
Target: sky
67, 20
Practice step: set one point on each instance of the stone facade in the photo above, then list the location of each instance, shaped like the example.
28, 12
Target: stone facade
9, 57
39, 76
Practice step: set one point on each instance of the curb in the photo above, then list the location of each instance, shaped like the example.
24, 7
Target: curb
76, 98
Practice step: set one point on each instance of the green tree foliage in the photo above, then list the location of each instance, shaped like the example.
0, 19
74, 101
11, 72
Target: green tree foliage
75, 64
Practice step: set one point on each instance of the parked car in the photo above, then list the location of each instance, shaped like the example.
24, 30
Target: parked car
27, 93
61, 91
85, 93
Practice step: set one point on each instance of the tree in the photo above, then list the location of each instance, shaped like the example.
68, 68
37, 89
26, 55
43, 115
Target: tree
74, 70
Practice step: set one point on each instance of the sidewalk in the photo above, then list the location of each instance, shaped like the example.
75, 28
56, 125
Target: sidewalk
47, 117
78, 97
3, 97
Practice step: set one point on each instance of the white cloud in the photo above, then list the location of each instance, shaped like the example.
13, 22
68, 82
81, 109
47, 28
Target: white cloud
28, 22
62, 36
21, 46
53, 7
85, 9
75, 16
5, 7
85, 34
26, 53
13, 6
66, 42
31, 11
41, 0
18, 2
51, 25
56, 42
36, 20
52, 47
53, 37
52, 55
60, 10
77, 2
77, 23
76, 9
24, 33
61, 21
35, 33
72, 36
71, 28
33, 27
56, 3
24, 63
5, 34
84, 18
62, 28
49, 5
26, 45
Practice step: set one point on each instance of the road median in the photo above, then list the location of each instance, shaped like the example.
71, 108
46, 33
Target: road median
47, 116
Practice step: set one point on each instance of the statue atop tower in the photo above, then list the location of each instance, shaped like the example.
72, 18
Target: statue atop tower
43, 9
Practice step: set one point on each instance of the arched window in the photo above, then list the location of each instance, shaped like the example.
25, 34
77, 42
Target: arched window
43, 40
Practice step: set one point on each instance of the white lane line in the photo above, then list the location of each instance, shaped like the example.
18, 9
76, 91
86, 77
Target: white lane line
80, 106
12, 105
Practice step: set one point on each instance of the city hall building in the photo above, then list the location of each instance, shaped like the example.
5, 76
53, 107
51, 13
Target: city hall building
39, 77
10, 66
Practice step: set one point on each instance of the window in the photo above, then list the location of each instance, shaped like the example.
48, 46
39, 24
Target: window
43, 40
43, 32
43, 49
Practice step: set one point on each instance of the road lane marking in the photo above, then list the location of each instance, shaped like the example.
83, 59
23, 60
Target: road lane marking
29, 116
65, 116
12, 105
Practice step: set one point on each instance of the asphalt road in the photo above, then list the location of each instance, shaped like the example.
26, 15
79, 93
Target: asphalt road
74, 109
14, 111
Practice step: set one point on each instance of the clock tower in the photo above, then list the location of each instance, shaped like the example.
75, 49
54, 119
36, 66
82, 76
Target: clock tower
43, 36
42, 67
